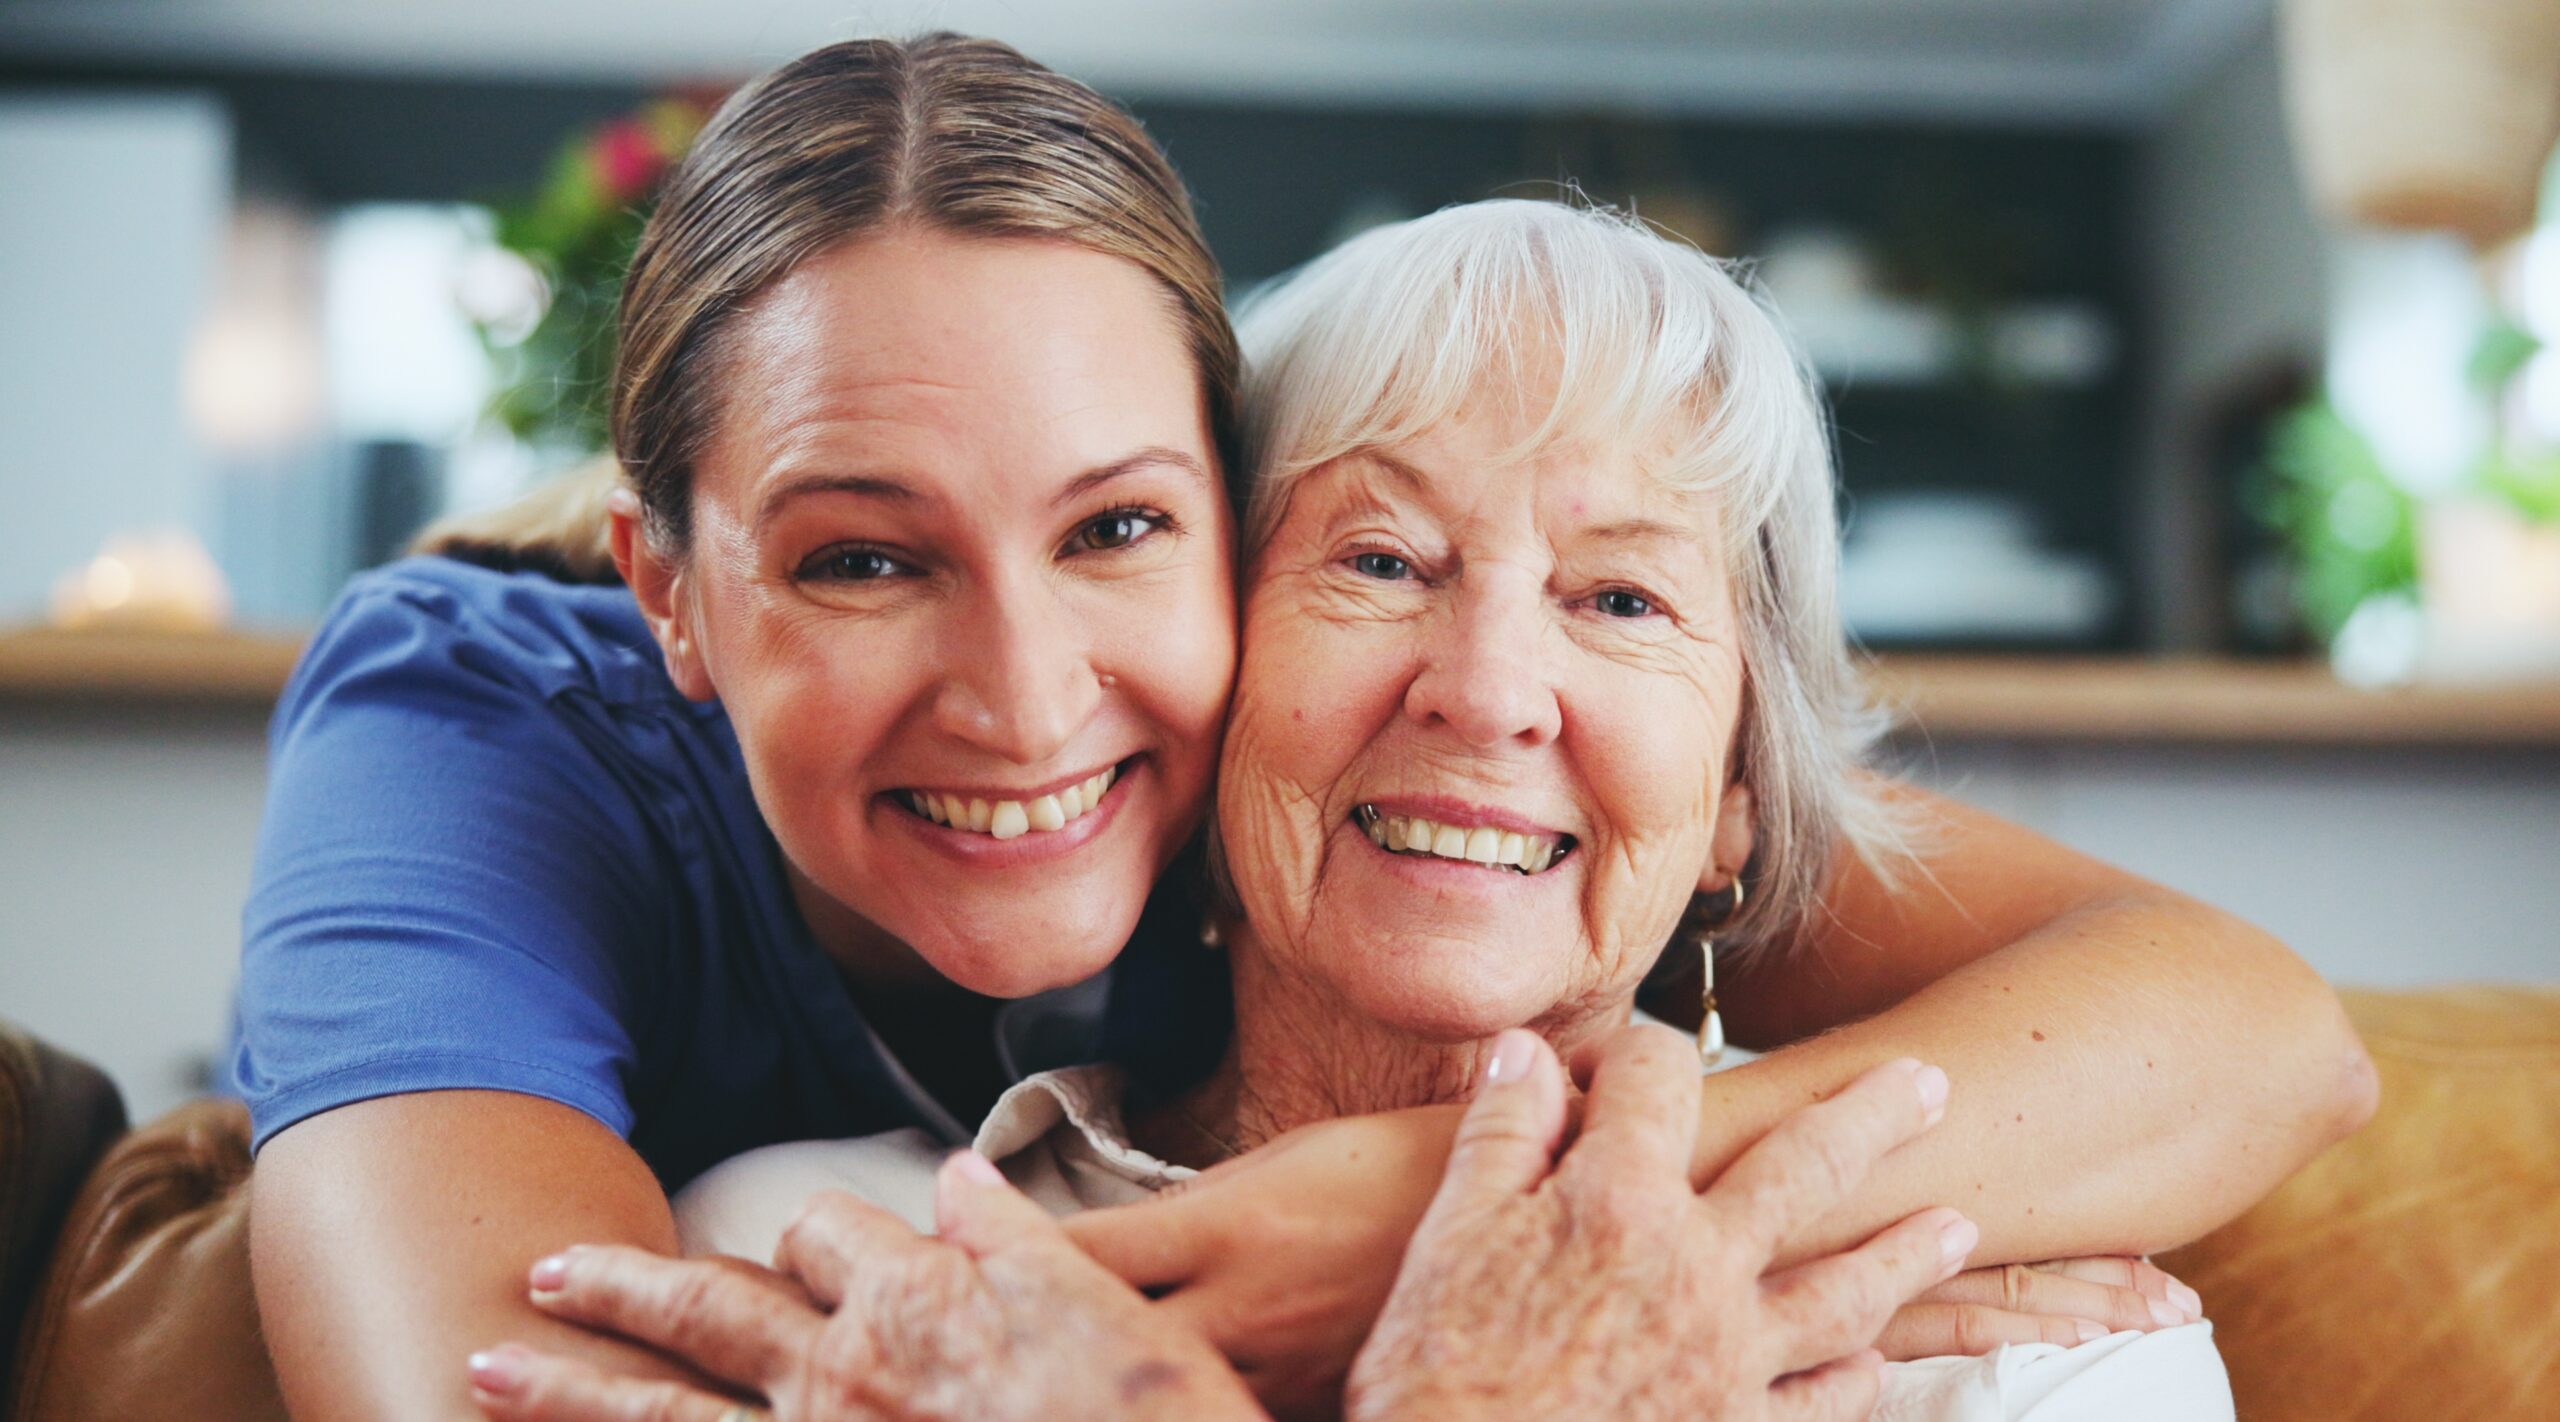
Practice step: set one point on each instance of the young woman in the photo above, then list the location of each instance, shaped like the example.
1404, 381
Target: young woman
901, 693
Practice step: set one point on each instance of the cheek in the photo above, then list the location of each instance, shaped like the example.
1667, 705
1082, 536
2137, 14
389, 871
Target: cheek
811, 703
1313, 695
1175, 663
1653, 754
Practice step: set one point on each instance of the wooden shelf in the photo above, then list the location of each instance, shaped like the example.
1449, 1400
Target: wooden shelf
2087, 699
222, 668
2201, 700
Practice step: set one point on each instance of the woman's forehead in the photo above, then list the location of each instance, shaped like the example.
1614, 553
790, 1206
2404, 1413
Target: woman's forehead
1606, 489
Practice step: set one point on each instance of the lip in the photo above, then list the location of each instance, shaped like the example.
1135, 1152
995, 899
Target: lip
1449, 810
982, 851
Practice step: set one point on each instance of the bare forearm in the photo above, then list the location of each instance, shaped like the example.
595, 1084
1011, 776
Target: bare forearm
2126, 1078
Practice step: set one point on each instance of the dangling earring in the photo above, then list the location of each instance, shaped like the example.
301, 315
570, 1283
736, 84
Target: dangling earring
1711, 1024
1210, 937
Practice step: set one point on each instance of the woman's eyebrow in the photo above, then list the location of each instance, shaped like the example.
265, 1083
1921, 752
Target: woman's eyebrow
889, 487
1154, 456
800, 486
1638, 530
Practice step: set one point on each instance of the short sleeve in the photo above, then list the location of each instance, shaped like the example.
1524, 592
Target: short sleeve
450, 889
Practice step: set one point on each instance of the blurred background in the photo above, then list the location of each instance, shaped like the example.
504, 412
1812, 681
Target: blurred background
2200, 444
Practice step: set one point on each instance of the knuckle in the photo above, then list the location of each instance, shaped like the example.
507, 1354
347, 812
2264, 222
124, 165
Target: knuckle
2018, 1285
1976, 1329
695, 1318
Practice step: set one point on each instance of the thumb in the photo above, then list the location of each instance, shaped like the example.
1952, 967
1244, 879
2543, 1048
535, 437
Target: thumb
1507, 1140
976, 1208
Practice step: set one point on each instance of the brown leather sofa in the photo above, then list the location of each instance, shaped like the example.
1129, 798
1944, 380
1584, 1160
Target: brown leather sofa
2414, 1270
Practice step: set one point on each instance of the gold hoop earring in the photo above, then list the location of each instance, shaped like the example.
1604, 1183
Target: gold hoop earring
1711, 1023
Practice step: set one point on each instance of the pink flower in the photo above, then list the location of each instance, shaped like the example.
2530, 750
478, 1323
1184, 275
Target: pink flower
627, 160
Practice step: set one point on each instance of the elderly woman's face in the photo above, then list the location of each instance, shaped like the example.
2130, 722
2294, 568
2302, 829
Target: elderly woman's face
1452, 660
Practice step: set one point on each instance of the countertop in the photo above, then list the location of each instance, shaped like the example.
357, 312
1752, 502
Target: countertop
2093, 699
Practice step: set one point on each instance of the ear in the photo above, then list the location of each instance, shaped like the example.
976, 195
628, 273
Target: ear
1732, 844
657, 581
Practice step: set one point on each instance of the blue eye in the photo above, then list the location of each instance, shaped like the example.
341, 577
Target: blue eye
1618, 602
851, 565
1386, 567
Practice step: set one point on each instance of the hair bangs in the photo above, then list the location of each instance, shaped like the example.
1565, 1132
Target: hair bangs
1591, 328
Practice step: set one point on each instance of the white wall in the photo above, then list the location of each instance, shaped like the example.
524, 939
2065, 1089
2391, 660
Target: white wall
125, 839
2381, 867
112, 212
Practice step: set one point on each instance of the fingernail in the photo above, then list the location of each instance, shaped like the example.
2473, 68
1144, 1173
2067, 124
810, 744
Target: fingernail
1956, 1239
498, 1370
2089, 1332
547, 1275
2187, 1299
2165, 1313
976, 1168
1932, 1084
1511, 1052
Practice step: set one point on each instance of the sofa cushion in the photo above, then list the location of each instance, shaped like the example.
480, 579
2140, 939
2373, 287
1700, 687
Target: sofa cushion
2414, 1269
58, 1114
146, 1310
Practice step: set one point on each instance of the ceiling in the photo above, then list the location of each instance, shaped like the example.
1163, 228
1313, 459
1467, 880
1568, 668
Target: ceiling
2072, 61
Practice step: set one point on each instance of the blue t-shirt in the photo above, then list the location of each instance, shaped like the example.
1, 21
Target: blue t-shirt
502, 852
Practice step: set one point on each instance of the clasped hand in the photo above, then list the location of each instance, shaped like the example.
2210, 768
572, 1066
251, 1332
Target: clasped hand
1545, 1279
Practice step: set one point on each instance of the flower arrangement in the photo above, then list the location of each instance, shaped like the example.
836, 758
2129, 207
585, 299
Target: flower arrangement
577, 232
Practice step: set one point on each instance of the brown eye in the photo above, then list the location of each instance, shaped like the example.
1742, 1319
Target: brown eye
1116, 529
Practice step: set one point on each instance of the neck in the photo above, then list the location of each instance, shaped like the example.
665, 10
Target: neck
1301, 1054
942, 1033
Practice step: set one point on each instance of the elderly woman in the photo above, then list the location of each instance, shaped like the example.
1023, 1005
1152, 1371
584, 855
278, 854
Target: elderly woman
1541, 665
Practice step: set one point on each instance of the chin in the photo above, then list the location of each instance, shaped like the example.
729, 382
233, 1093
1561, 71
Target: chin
1446, 996
1031, 959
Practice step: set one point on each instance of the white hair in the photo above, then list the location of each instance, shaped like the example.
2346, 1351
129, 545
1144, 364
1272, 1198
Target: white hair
1642, 339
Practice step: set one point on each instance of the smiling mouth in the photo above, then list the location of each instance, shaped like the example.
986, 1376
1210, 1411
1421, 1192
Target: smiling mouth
1011, 819
1480, 845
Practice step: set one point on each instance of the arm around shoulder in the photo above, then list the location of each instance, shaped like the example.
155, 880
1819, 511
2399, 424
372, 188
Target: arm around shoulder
2132, 1067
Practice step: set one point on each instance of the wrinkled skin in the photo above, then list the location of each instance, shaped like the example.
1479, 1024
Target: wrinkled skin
1598, 1284
998, 1318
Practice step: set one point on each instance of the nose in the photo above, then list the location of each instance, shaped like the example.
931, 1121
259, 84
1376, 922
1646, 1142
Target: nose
1018, 679
1487, 670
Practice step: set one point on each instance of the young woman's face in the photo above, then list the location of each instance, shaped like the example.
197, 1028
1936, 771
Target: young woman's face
961, 575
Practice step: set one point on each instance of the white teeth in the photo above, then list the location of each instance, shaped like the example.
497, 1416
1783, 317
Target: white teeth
1009, 819
1482, 844
1046, 814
